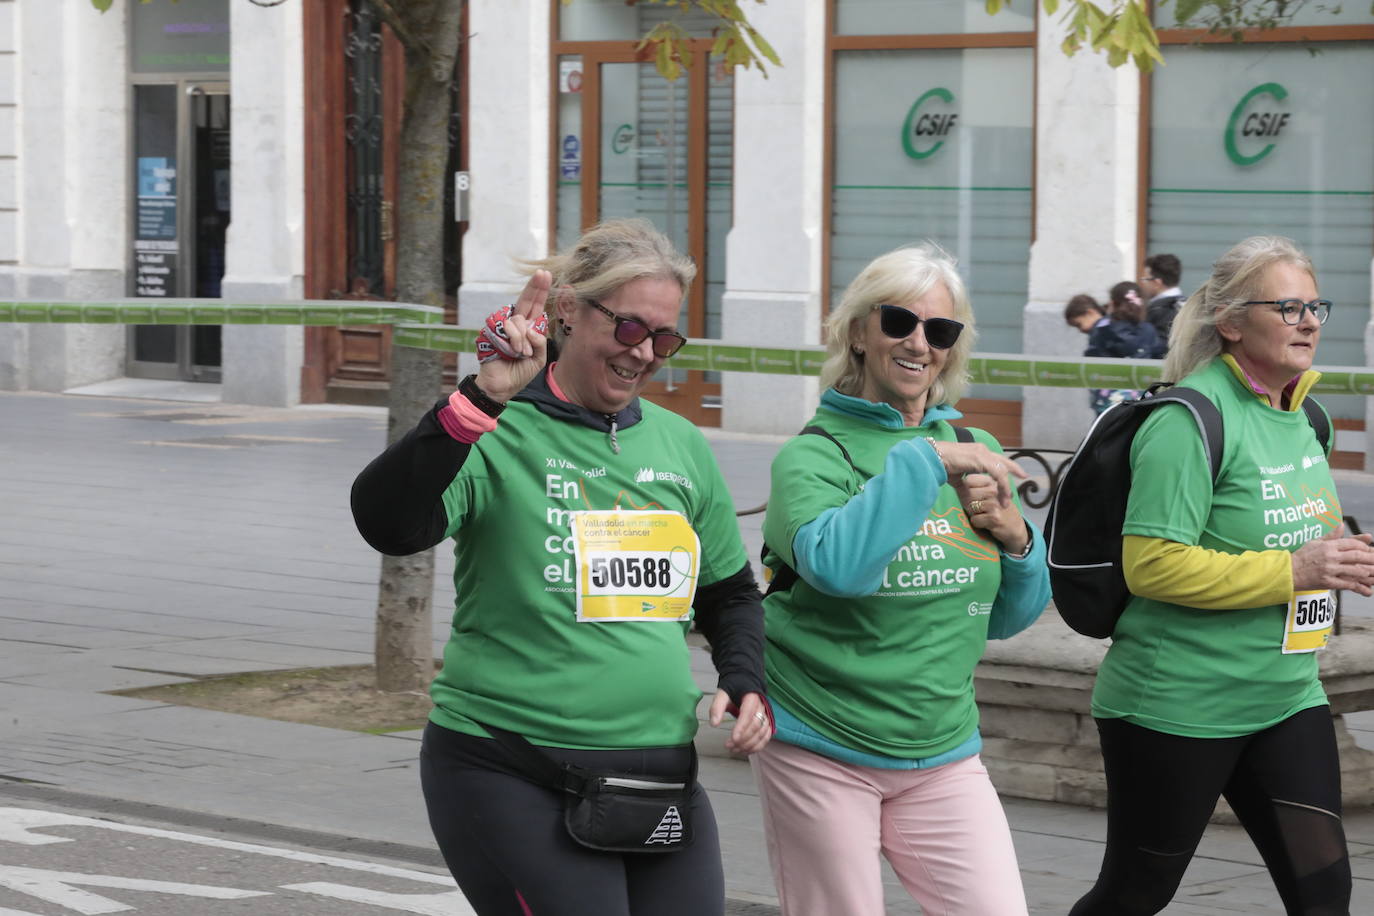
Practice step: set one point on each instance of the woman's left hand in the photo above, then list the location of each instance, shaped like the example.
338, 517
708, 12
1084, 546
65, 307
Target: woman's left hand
978, 495
752, 729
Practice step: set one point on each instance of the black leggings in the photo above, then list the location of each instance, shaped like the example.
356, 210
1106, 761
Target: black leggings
504, 841
1284, 784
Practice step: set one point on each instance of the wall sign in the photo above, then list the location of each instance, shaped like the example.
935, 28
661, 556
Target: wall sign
928, 122
1257, 114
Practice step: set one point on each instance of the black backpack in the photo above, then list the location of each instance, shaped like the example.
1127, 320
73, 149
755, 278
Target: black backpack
1083, 529
784, 577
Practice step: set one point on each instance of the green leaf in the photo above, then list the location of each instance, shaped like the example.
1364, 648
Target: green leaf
1186, 10
992, 6
1051, 6
764, 47
102, 5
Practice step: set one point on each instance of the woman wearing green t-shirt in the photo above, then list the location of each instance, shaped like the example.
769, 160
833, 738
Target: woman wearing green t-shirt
590, 528
1210, 686
897, 551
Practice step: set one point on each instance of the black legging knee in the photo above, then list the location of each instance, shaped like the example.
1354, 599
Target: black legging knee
1283, 783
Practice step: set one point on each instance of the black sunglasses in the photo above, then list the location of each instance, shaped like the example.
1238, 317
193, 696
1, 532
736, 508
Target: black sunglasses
632, 332
1292, 309
898, 323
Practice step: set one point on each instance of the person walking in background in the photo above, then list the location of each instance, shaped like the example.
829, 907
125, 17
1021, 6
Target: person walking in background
1210, 687
577, 578
1159, 281
1120, 333
898, 549
1126, 335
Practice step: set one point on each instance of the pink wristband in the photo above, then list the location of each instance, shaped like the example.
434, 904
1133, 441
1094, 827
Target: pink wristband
462, 420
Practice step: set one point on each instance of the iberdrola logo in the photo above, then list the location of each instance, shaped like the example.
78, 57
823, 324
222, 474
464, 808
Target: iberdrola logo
645, 475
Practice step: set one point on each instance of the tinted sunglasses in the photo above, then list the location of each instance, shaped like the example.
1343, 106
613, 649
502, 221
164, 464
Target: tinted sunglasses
632, 332
898, 323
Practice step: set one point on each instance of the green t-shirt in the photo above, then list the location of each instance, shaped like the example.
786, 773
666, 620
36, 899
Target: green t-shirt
1209, 673
890, 673
518, 658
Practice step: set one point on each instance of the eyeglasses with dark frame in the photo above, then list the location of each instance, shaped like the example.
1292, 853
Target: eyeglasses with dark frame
1291, 309
898, 323
632, 332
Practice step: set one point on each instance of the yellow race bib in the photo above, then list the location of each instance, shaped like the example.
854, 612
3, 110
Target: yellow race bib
634, 565
1310, 619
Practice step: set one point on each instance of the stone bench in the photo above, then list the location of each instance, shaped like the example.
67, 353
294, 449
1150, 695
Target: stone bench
1040, 742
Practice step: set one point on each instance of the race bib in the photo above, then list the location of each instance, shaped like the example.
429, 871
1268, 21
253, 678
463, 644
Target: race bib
634, 565
1310, 618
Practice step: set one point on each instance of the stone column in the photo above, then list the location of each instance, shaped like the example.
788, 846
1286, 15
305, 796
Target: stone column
265, 257
773, 254
1087, 132
63, 185
508, 154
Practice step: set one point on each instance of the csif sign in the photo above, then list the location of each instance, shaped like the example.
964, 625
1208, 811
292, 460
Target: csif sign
925, 123
1256, 117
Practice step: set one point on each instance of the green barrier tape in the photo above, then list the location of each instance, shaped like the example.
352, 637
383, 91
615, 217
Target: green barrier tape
422, 327
203, 311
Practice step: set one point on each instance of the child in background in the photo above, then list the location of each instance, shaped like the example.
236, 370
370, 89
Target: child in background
1117, 332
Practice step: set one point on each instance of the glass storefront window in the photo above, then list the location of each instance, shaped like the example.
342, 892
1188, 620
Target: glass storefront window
191, 36
616, 20
1270, 139
568, 206
1358, 13
938, 145
928, 17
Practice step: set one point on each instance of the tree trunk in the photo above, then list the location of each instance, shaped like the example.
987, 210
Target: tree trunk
404, 654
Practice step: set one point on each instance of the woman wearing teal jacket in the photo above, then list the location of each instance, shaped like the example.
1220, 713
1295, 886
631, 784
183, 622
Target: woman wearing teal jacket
898, 549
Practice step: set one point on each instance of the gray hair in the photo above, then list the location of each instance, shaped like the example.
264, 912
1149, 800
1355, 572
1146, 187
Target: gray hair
897, 278
1237, 277
605, 258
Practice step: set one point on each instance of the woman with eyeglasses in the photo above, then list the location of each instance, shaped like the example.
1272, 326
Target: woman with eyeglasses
897, 549
590, 529
1209, 689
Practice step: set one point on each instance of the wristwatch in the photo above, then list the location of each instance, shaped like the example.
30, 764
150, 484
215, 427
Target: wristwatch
469, 389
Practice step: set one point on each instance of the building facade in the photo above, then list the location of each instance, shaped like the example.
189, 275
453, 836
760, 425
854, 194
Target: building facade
889, 122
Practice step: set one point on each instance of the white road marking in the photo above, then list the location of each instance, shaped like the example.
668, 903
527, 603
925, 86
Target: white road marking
17, 825
56, 887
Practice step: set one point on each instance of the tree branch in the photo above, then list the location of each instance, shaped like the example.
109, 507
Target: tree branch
401, 27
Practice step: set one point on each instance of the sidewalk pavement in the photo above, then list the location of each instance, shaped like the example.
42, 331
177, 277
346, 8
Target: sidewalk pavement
149, 542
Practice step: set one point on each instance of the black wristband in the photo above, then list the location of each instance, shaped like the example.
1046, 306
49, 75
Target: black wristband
479, 398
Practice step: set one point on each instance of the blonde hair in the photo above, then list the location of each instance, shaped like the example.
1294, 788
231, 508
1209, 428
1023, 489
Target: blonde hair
605, 258
1237, 277
898, 278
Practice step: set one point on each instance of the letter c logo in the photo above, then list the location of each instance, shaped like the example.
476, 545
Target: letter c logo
908, 138
1270, 89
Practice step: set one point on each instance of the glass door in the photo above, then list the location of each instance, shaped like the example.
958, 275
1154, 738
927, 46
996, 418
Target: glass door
660, 150
181, 214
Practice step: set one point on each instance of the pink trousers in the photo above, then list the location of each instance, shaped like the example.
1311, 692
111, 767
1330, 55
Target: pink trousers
942, 829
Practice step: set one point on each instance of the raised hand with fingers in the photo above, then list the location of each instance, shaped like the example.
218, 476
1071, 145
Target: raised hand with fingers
512, 348
968, 458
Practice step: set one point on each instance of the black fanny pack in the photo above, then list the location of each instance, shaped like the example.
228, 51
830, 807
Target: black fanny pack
611, 812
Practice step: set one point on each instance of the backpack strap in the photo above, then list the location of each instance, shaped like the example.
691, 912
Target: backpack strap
1208, 419
1321, 423
1209, 422
784, 577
